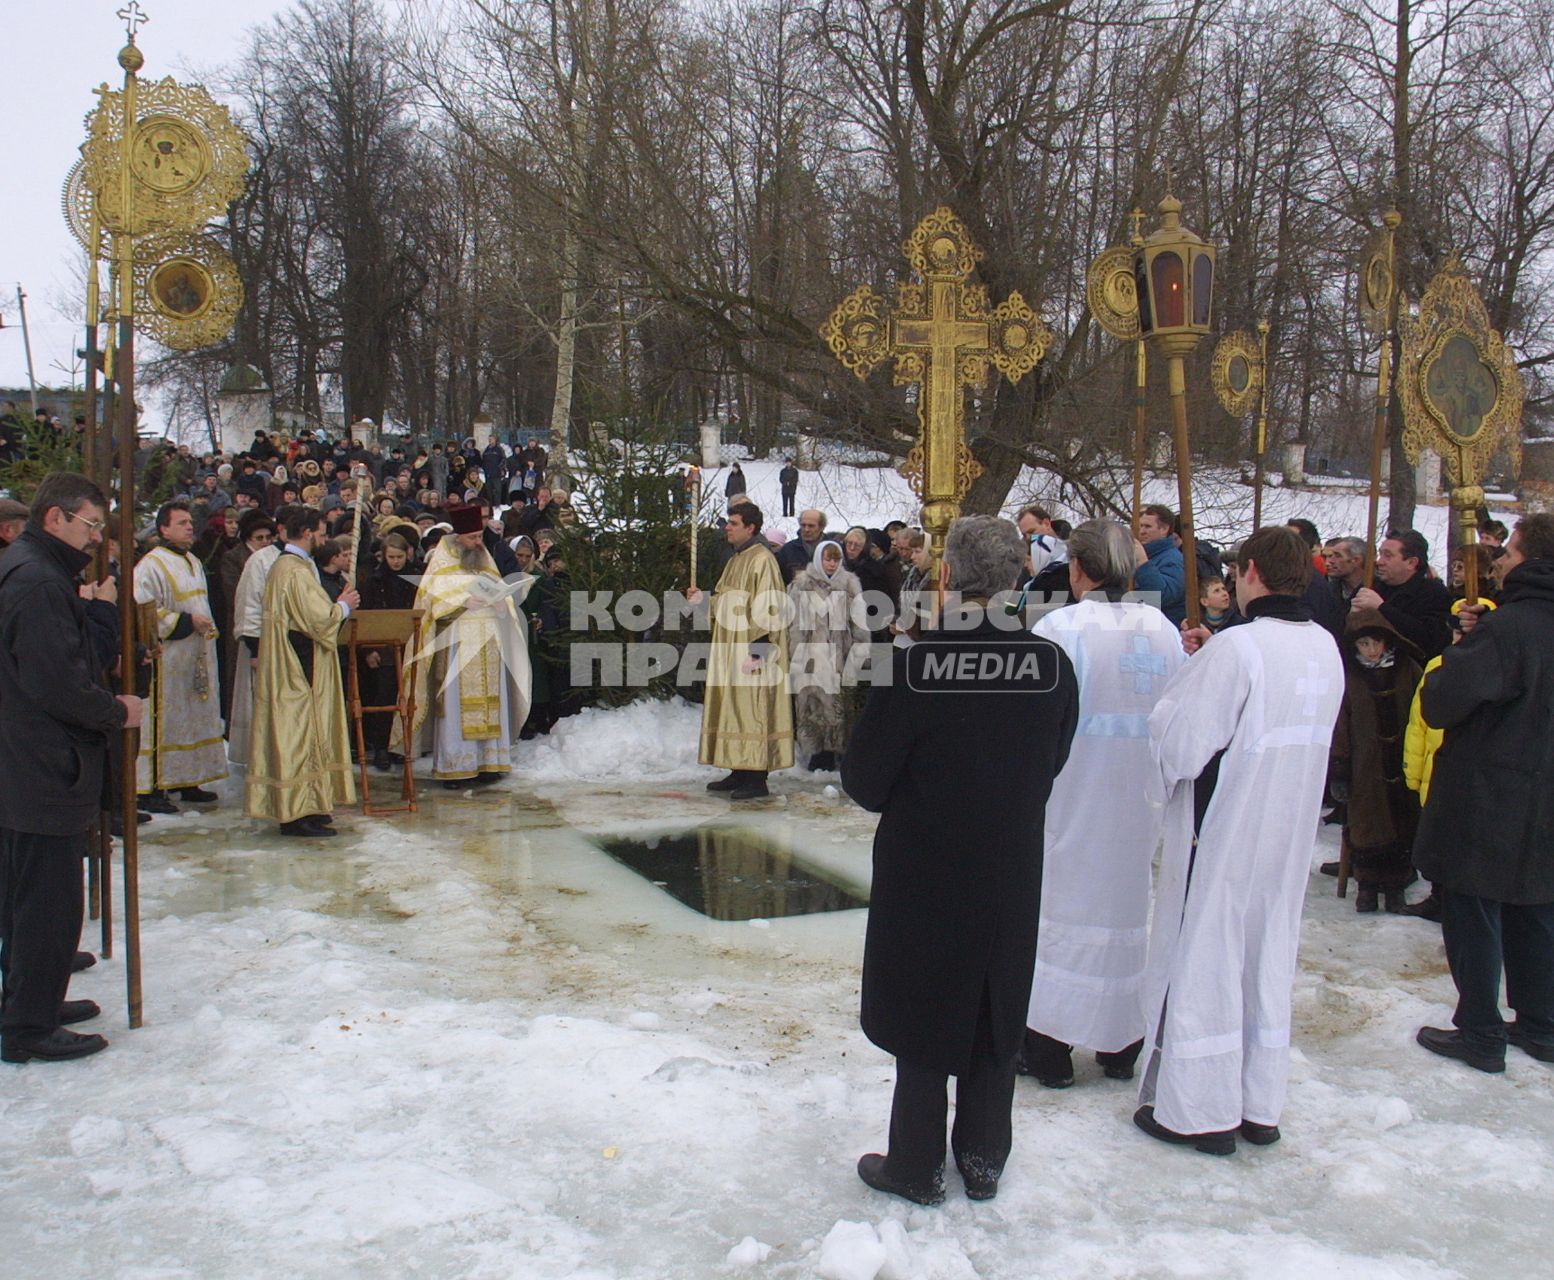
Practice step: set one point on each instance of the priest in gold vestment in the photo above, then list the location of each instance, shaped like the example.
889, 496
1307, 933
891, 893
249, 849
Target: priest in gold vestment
471, 666
300, 757
747, 716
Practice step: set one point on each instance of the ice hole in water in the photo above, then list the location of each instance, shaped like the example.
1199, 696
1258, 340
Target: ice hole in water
730, 873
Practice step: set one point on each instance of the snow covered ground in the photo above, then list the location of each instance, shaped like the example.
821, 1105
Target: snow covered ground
468, 1044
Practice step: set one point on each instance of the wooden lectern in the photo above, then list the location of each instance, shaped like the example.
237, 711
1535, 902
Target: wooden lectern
391, 629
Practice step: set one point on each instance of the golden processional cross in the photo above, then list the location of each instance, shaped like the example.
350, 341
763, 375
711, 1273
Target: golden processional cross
942, 337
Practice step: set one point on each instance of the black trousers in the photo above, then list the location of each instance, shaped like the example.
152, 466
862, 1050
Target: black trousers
1484, 938
41, 906
787, 502
984, 1096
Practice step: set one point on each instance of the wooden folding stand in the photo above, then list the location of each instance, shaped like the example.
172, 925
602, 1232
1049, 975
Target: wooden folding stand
391, 629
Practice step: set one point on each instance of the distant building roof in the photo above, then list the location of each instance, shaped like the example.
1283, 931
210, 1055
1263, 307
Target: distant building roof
243, 377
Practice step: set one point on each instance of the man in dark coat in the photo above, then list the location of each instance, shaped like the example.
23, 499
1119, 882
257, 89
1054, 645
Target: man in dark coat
956, 893
1486, 837
1418, 605
736, 486
788, 482
493, 463
55, 716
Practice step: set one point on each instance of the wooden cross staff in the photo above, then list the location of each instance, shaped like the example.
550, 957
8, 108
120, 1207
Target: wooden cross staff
942, 337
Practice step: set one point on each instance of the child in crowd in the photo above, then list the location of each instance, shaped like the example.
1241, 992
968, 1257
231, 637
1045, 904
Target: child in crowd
1214, 602
1381, 675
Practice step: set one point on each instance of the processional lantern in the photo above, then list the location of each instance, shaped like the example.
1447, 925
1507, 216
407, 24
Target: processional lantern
1173, 272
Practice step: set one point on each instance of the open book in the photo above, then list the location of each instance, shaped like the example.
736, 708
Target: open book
492, 591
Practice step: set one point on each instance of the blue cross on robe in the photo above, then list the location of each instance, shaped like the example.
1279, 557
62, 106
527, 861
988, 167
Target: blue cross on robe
1144, 664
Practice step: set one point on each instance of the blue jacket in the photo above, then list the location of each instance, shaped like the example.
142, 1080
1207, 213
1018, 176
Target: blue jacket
1163, 574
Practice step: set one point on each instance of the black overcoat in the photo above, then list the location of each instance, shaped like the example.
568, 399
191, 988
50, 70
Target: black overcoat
960, 779
1420, 610
1488, 826
55, 714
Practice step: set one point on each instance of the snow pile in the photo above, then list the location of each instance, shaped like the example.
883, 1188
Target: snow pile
646, 741
851, 1251
748, 1252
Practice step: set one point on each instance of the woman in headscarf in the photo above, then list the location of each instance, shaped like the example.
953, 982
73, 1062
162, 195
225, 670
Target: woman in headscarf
822, 633
278, 482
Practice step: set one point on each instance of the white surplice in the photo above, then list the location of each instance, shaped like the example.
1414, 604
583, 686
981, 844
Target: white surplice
1100, 834
1227, 916
180, 741
247, 622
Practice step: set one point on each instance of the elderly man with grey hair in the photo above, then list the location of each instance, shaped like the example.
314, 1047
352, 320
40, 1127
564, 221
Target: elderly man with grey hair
1095, 890
974, 714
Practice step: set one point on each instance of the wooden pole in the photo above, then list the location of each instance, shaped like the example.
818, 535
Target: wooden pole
1184, 527
695, 487
1140, 386
1262, 430
1393, 219
129, 431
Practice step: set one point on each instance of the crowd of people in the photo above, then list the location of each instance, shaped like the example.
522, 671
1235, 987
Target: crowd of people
1096, 814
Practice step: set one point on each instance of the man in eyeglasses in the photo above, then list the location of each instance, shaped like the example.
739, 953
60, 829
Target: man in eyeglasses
55, 716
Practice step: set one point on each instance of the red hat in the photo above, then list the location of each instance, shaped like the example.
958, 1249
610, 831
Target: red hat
464, 519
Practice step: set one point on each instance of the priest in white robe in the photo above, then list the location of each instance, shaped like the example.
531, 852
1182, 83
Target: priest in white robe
1101, 837
181, 743
471, 665
1263, 698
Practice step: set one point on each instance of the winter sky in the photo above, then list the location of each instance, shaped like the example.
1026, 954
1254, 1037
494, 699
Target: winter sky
61, 51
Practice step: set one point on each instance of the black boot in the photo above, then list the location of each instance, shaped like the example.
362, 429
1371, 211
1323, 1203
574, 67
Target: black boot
874, 1170
381, 761
728, 783
1222, 1143
1119, 1065
197, 795
1366, 898
1426, 908
1050, 1061
157, 802
752, 786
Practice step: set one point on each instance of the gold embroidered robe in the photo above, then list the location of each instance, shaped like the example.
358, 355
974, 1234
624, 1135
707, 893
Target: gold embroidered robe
747, 718
471, 669
299, 755
180, 738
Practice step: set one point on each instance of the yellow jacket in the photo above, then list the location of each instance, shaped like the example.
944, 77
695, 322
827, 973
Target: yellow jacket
1420, 742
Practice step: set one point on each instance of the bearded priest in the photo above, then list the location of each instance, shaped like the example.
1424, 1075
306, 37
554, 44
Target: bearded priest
747, 717
300, 756
471, 664
181, 746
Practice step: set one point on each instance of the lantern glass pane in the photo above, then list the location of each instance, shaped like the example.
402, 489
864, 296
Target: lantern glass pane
1141, 284
1202, 288
1169, 292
